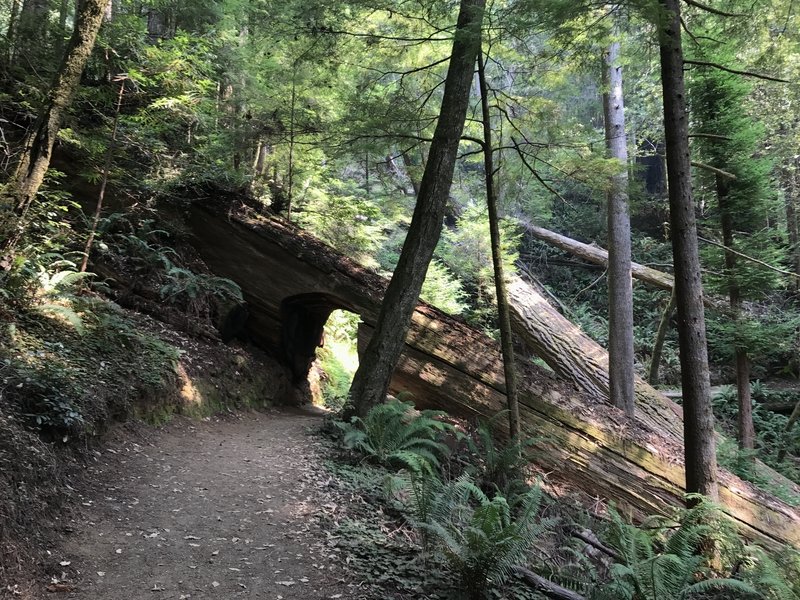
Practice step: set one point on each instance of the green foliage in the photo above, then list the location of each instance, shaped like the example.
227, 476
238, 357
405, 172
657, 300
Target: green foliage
394, 434
499, 467
466, 252
480, 538
337, 380
664, 559
776, 576
196, 292
771, 439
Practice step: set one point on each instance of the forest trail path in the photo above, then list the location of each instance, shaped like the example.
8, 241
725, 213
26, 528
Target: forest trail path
225, 508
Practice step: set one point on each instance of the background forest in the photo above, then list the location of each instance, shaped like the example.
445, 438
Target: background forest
322, 112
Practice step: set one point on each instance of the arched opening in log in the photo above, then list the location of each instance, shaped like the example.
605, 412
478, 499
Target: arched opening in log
303, 319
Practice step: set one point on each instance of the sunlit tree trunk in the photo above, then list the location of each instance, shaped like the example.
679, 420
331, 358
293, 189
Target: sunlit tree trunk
380, 357
698, 419
620, 292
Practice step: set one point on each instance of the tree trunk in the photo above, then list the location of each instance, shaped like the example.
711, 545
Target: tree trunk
506, 338
411, 171
699, 435
31, 32
598, 256
742, 362
35, 160
790, 199
11, 33
620, 291
104, 183
661, 335
375, 370
574, 356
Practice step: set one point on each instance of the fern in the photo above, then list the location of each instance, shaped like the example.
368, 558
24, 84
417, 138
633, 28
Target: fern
393, 435
500, 467
479, 537
662, 560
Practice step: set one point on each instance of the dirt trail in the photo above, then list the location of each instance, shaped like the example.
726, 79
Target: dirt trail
218, 509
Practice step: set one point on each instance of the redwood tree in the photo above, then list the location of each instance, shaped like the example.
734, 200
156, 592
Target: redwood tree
620, 292
698, 417
372, 378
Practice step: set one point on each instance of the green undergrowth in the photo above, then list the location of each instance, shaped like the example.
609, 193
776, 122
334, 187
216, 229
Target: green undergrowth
449, 512
775, 446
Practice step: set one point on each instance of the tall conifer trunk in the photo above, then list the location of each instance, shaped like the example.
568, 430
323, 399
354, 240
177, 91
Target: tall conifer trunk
620, 292
372, 378
698, 417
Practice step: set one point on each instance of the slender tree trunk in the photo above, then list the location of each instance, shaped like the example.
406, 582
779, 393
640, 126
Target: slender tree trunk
35, 160
380, 357
506, 337
790, 200
620, 292
11, 33
63, 13
290, 176
104, 183
742, 362
410, 170
698, 420
661, 336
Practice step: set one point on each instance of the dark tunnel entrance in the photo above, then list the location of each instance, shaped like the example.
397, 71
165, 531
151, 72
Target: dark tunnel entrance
303, 319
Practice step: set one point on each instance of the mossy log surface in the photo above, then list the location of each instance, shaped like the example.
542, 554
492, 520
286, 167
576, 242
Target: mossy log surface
583, 441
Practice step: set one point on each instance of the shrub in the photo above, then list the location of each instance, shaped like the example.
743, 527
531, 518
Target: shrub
394, 434
480, 538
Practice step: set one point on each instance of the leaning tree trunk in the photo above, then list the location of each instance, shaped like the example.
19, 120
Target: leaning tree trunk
573, 355
375, 370
506, 337
620, 291
699, 439
661, 336
35, 160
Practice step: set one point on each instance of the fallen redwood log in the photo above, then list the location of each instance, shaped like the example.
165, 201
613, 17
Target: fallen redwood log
597, 255
583, 441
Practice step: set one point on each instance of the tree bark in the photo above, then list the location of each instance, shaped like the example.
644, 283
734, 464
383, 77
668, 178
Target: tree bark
699, 436
661, 335
506, 337
790, 200
742, 362
620, 291
375, 370
35, 159
31, 32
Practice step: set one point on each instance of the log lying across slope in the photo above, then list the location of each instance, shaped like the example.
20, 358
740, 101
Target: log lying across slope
449, 365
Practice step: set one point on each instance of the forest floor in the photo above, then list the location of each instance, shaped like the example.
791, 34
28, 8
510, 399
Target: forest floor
227, 507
